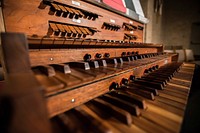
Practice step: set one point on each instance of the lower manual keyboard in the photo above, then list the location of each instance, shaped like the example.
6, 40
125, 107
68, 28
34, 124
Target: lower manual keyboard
123, 110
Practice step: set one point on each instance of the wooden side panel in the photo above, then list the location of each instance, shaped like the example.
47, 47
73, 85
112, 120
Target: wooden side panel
22, 103
15, 53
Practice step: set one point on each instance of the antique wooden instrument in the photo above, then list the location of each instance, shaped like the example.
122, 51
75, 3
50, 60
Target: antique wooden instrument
83, 67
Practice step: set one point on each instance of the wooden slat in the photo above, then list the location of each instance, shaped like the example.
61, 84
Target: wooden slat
88, 31
83, 30
62, 8
55, 6
54, 27
77, 29
68, 9
60, 27
72, 29
75, 11
80, 13
67, 29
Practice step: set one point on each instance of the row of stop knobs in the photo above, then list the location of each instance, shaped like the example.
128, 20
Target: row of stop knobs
151, 69
125, 81
87, 57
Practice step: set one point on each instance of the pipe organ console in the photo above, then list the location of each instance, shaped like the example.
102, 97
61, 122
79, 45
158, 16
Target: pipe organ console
83, 67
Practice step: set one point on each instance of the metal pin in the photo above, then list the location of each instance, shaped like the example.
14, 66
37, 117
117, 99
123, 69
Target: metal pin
73, 100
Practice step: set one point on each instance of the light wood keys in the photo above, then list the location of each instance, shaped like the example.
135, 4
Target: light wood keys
130, 105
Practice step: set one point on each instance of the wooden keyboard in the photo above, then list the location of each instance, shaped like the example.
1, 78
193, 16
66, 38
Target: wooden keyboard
143, 104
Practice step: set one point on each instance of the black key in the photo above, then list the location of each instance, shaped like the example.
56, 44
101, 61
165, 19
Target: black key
143, 93
134, 99
152, 84
116, 112
132, 108
138, 86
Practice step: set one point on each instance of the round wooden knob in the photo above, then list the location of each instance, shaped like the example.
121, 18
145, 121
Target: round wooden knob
87, 57
146, 71
128, 53
124, 81
98, 55
132, 77
114, 86
106, 55
157, 67
154, 68
151, 69
123, 53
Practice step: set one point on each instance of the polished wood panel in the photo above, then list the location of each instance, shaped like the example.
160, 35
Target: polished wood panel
41, 57
21, 18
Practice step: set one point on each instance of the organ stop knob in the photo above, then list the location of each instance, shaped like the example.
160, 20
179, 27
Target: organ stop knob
87, 57
98, 55
123, 53
146, 71
132, 78
106, 55
124, 81
114, 86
